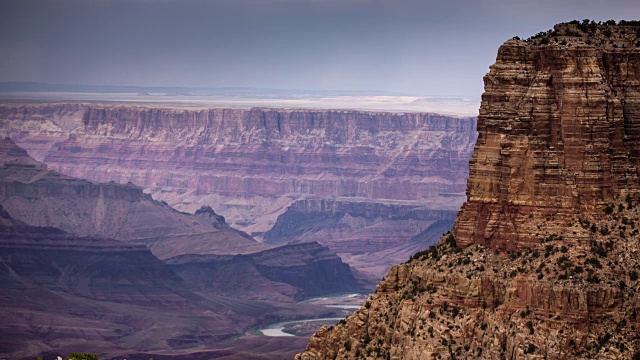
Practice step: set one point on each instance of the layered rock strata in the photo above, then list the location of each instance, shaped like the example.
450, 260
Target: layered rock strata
543, 259
251, 164
558, 133
247, 162
40, 197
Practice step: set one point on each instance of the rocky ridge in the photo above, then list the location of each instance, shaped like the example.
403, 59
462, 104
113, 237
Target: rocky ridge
64, 291
543, 259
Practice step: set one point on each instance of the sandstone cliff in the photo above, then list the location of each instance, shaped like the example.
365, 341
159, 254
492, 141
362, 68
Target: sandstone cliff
543, 259
558, 133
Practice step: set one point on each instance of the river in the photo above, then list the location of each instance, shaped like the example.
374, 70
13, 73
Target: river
348, 301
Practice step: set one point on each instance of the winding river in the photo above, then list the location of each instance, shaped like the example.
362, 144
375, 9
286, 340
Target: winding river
277, 328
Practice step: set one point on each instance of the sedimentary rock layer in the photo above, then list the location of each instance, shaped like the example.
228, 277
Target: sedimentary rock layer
39, 197
543, 259
559, 134
251, 164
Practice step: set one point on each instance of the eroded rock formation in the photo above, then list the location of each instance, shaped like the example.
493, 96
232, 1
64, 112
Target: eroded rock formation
543, 261
39, 197
63, 291
250, 159
559, 133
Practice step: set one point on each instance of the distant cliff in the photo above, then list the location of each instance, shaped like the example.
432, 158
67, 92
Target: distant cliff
250, 165
543, 260
262, 156
40, 197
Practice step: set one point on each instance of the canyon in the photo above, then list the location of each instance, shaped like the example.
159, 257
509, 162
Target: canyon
257, 166
101, 283
543, 259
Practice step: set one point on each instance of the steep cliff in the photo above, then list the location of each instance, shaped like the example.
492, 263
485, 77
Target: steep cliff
40, 127
558, 133
543, 259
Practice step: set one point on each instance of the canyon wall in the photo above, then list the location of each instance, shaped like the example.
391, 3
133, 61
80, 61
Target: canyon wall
543, 258
40, 197
559, 135
83, 291
250, 165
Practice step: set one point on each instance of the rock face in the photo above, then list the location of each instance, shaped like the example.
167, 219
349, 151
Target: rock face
559, 132
370, 236
39, 197
543, 259
295, 271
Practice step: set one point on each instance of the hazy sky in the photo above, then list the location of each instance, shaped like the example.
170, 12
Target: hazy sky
410, 46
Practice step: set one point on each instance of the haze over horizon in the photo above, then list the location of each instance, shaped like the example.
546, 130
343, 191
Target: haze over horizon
406, 46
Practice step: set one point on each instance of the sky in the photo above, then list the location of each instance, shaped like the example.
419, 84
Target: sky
416, 47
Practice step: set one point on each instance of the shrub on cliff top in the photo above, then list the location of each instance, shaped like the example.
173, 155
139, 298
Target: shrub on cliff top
82, 356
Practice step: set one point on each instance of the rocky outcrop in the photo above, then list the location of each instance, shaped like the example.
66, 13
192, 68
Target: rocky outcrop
559, 132
293, 272
543, 258
370, 236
